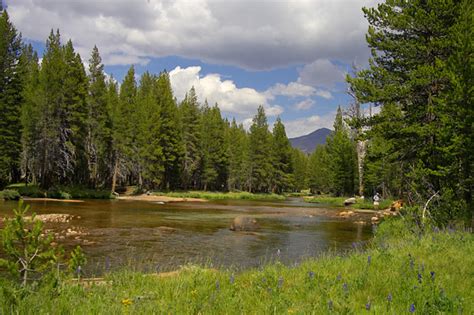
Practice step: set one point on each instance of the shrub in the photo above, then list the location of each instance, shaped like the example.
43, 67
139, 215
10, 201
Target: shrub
9, 194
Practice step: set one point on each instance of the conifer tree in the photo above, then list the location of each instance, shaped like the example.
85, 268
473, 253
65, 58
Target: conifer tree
260, 157
343, 158
170, 139
11, 98
191, 134
238, 157
99, 124
319, 173
300, 169
282, 178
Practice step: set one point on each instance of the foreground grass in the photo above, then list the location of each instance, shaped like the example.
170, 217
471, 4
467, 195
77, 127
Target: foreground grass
339, 202
222, 196
61, 192
401, 272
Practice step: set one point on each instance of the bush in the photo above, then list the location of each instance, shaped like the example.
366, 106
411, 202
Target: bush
9, 194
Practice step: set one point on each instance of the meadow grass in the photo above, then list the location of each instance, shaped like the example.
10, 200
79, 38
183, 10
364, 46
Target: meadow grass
403, 270
243, 195
339, 202
61, 192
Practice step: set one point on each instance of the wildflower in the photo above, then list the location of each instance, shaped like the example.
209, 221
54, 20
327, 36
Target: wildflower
311, 275
344, 287
432, 273
127, 302
232, 280
367, 306
419, 277
369, 259
354, 245
412, 308
389, 298
218, 285
280, 282
79, 270
291, 311
330, 305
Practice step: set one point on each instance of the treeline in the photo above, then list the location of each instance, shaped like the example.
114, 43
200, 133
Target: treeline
62, 125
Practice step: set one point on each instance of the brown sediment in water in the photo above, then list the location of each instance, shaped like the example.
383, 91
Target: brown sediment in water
160, 198
52, 199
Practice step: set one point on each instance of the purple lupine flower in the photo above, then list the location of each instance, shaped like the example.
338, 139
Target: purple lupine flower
354, 245
389, 298
280, 282
419, 277
412, 308
369, 259
79, 270
311, 275
432, 273
330, 305
231, 279
367, 306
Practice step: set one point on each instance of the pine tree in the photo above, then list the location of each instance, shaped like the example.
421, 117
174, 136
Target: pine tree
74, 116
191, 134
125, 127
214, 153
319, 172
260, 146
170, 139
11, 98
282, 178
99, 124
113, 108
343, 158
422, 64
151, 158
300, 169
238, 157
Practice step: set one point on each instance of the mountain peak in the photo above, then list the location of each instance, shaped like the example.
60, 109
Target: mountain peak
309, 142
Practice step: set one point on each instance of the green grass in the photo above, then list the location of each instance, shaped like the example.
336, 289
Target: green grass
431, 271
61, 192
9, 194
339, 202
222, 196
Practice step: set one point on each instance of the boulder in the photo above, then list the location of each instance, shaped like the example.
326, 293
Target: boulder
244, 224
349, 201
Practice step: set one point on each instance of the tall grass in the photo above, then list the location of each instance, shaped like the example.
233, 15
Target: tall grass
222, 196
404, 270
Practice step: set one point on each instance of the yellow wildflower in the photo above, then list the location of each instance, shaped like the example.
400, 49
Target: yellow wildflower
127, 302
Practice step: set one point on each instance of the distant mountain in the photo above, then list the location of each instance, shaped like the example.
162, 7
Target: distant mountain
310, 141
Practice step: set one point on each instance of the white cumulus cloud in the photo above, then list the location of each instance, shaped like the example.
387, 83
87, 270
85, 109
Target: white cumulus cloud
211, 87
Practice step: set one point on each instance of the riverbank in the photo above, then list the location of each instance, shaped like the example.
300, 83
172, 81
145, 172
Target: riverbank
209, 195
160, 198
360, 203
404, 270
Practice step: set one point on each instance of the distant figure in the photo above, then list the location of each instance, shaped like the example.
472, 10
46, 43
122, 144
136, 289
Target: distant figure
377, 198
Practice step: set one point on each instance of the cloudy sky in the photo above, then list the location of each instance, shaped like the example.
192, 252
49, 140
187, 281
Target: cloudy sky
290, 56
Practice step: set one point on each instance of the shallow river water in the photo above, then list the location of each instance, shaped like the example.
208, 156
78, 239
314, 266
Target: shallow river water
156, 237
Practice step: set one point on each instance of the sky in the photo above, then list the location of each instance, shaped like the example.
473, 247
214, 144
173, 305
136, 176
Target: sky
289, 56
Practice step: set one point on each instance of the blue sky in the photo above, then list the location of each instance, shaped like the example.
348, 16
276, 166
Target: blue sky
290, 56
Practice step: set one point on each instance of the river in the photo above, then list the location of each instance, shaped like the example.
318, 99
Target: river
155, 237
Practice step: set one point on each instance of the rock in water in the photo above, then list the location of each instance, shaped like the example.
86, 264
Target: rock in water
349, 201
244, 224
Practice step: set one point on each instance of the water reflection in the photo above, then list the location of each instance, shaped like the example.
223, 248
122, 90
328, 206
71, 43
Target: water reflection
147, 235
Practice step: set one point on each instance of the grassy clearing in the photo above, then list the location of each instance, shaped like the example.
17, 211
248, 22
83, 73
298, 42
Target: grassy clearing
339, 202
9, 194
403, 270
61, 192
222, 196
